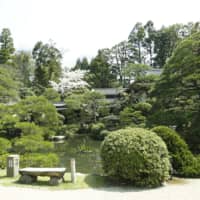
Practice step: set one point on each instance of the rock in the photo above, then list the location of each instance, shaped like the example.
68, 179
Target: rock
27, 179
55, 180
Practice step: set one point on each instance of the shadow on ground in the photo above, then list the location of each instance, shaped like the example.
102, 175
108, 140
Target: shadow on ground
106, 184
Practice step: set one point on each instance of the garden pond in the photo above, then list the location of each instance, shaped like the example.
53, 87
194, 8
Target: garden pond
85, 151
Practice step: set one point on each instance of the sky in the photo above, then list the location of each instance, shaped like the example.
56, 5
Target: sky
80, 27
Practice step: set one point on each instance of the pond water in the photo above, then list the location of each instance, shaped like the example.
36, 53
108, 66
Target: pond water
85, 151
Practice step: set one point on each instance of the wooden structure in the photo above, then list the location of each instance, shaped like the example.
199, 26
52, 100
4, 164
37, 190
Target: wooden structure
58, 138
111, 94
60, 106
29, 175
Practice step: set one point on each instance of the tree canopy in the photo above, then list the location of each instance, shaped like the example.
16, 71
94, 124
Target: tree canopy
6, 46
178, 90
48, 63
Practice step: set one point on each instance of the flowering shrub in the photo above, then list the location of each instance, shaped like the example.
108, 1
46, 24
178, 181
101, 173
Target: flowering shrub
69, 81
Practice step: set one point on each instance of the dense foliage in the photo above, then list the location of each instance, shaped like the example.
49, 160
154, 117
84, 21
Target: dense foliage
38, 110
31, 83
5, 145
39, 160
6, 46
177, 92
136, 155
182, 160
96, 131
48, 64
175, 144
32, 144
8, 86
85, 107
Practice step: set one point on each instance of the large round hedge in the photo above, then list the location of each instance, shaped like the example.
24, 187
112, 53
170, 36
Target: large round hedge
183, 161
136, 155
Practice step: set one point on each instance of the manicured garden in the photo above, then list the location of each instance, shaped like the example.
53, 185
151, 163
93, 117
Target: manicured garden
147, 135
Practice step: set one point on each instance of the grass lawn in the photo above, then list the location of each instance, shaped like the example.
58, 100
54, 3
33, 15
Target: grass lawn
83, 181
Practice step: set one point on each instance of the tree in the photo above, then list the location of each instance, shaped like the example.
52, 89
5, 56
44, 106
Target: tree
6, 46
141, 88
189, 29
48, 64
85, 107
100, 74
133, 72
166, 39
81, 64
149, 41
177, 92
24, 65
69, 81
52, 95
136, 40
8, 85
94, 106
38, 110
118, 58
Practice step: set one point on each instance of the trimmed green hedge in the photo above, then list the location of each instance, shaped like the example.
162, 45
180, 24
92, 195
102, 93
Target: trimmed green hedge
136, 155
184, 163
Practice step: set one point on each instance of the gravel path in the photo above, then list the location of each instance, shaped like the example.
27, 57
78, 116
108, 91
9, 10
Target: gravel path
190, 190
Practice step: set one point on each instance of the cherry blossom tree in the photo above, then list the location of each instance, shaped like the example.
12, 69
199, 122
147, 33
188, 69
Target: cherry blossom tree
70, 80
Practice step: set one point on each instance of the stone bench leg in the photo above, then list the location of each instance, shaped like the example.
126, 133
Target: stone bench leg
27, 179
55, 180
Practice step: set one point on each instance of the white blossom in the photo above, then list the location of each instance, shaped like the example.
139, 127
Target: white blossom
70, 80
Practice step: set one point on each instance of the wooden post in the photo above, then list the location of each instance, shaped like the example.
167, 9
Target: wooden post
73, 170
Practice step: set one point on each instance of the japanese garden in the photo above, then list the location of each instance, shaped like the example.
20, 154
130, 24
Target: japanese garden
130, 115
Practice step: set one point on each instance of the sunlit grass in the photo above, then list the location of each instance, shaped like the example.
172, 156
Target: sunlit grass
83, 181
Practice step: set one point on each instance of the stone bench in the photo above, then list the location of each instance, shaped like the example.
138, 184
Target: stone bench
29, 175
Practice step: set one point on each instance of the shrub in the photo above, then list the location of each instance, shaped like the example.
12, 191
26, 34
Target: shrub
96, 129
7, 125
136, 155
31, 144
69, 129
47, 133
38, 110
3, 161
27, 128
111, 122
193, 170
183, 161
104, 133
51, 95
4, 145
130, 117
143, 107
39, 160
